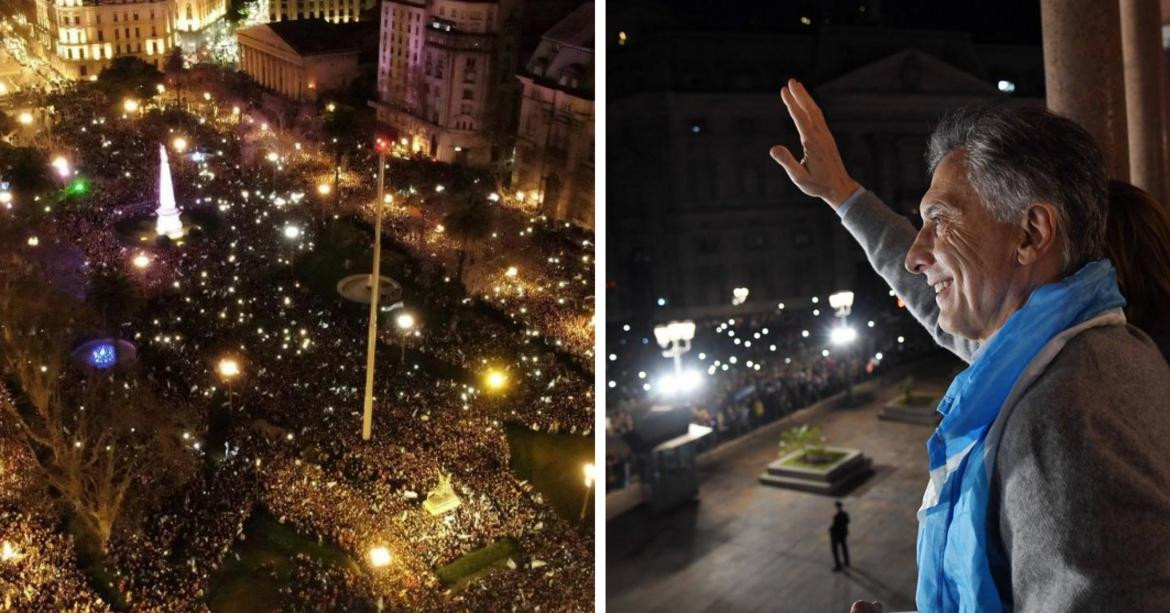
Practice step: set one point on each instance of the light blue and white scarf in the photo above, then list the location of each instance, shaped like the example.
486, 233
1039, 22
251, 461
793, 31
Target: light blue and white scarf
954, 571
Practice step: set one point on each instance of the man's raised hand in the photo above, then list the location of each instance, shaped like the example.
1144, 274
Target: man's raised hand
821, 173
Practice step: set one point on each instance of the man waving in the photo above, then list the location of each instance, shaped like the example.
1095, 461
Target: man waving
1049, 485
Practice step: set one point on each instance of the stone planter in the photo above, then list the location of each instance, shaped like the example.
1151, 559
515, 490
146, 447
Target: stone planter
922, 409
849, 469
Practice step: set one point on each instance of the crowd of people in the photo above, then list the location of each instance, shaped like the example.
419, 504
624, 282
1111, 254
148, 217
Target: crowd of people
754, 370
291, 441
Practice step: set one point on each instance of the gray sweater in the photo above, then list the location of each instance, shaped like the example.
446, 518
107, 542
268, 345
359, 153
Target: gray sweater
1080, 455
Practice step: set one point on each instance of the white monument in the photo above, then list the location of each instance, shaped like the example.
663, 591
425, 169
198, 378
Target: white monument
169, 223
442, 498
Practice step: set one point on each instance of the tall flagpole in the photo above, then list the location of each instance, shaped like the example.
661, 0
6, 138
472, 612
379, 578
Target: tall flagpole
368, 412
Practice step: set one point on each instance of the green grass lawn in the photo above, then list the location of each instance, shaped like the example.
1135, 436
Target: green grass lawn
251, 584
553, 464
472, 563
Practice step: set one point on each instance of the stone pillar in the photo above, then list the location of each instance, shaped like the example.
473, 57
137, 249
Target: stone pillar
1141, 46
1083, 73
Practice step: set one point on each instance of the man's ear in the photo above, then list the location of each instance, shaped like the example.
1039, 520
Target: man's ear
1040, 230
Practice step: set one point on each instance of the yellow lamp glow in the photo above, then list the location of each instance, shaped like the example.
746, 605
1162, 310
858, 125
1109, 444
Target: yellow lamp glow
379, 557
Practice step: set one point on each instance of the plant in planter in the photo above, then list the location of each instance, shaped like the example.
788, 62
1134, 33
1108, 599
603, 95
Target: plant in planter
810, 441
906, 389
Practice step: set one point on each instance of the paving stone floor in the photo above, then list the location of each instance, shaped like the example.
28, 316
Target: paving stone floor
749, 547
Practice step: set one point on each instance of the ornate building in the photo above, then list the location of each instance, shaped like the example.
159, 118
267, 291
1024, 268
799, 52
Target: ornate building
695, 206
300, 58
85, 35
446, 77
194, 15
554, 144
334, 11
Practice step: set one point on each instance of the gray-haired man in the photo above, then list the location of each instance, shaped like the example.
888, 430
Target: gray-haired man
1050, 474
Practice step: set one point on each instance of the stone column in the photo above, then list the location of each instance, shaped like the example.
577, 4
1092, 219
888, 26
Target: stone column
1083, 73
1141, 46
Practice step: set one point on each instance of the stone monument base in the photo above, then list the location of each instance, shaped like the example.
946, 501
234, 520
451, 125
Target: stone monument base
846, 472
438, 505
917, 412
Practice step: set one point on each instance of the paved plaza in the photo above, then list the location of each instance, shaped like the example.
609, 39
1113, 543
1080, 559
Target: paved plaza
749, 547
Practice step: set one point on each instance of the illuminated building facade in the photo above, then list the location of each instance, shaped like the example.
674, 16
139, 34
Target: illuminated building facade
554, 144
300, 58
333, 11
87, 34
194, 15
446, 77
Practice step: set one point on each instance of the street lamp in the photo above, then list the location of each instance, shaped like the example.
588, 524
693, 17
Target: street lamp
590, 476
130, 105
379, 557
179, 144
324, 189
229, 369
842, 303
25, 118
405, 323
141, 261
675, 338
495, 380
62, 166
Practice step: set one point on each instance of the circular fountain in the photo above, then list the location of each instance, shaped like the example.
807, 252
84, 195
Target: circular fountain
105, 353
356, 288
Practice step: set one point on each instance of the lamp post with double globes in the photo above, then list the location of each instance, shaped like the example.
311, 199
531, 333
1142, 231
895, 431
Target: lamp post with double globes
843, 335
675, 340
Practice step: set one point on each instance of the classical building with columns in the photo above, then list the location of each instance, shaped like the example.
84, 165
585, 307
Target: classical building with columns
300, 58
446, 77
554, 162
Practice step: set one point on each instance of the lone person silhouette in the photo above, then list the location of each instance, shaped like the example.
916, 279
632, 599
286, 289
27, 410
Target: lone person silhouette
837, 533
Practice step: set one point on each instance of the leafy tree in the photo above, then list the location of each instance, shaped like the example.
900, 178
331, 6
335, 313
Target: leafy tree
115, 298
175, 72
807, 439
129, 76
102, 441
26, 169
8, 125
467, 224
341, 131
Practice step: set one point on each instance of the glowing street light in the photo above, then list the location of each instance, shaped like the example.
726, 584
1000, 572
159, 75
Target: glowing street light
8, 553
405, 323
675, 338
842, 303
272, 156
141, 261
842, 335
324, 189
229, 369
379, 557
179, 144
292, 232
590, 476
62, 166
6, 198
25, 118
495, 380
511, 272
130, 105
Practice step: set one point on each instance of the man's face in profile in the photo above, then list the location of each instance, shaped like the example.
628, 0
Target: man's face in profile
967, 256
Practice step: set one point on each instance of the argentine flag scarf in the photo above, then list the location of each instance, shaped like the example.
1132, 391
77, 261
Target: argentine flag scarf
954, 573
